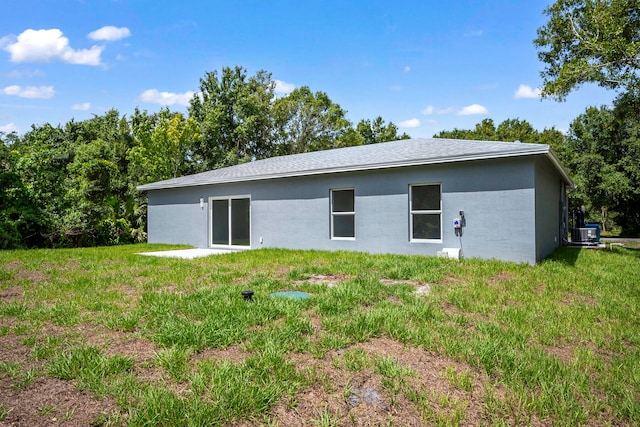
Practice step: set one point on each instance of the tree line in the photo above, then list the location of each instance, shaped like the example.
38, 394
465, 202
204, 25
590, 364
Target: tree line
598, 42
601, 152
75, 184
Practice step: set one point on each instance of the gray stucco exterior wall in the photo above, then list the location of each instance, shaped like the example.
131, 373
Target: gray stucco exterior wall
549, 208
500, 198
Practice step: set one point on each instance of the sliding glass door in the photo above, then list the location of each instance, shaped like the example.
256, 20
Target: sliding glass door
230, 221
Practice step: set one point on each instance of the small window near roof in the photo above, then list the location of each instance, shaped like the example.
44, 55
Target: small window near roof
426, 212
343, 214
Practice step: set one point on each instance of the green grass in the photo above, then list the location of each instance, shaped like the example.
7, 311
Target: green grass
557, 342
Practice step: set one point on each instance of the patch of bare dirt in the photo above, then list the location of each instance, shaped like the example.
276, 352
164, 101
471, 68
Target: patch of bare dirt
35, 276
565, 350
361, 399
111, 342
421, 288
140, 280
316, 322
13, 351
50, 401
138, 349
281, 270
130, 293
121, 343
575, 298
394, 300
11, 294
330, 280
453, 280
451, 309
344, 397
171, 289
609, 354
562, 350
501, 277
14, 266
232, 353
72, 263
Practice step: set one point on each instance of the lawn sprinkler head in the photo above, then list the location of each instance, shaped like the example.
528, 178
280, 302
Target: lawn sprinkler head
247, 295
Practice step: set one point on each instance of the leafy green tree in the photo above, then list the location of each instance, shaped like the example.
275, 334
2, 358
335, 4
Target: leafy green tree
555, 139
233, 113
165, 147
455, 133
605, 162
76, 179
102, 202
483, 131
93, 173
19, 214
308, 121
509, 130
42, 157
376, 131
516, 130
589, 41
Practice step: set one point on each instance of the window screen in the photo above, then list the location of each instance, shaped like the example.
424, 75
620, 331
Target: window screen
343, 214
426, 212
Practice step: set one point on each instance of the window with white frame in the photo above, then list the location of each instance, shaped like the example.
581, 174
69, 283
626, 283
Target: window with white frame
425, 209
343, 214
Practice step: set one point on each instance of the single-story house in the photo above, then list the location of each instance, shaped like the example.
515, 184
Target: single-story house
485, 199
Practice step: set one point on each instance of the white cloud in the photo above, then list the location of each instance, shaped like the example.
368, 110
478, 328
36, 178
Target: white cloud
525, 91
8, 128
110, 33
473, 109
41, 92
6, 41
411, 123
407, 69
81, 107
154, 96
48, 45
284, 87
25, 74
430, 109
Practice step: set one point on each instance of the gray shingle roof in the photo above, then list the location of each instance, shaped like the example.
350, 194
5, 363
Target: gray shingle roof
408, 152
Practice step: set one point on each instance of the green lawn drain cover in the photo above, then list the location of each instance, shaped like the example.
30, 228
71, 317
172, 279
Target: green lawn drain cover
291, 294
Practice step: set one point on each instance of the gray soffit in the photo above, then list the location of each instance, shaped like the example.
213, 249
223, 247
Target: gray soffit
408, 152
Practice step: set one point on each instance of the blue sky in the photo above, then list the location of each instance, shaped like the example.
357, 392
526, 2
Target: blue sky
426, 66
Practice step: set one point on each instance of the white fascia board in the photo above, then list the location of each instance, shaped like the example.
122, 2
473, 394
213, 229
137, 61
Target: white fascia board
558, 165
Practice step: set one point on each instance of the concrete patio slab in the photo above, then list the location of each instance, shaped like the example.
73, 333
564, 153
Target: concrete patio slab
188, 253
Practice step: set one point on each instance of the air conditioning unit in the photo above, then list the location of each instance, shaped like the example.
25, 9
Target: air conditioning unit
584, 235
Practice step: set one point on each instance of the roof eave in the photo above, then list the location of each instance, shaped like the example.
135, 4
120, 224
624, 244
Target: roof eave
560, 168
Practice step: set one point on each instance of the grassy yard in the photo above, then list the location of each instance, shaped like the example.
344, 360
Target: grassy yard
103, 336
